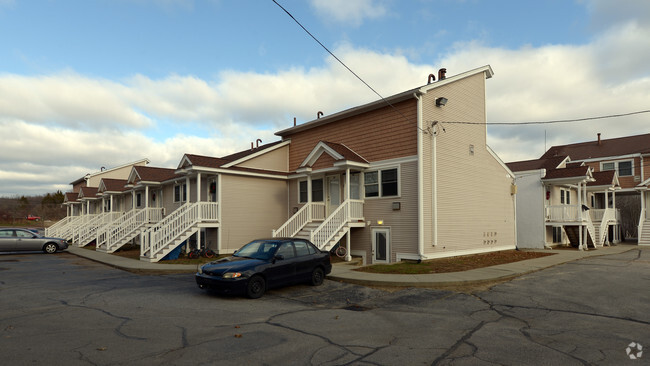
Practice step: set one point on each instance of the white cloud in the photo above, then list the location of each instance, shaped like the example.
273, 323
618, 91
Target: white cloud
349, 12
56, 128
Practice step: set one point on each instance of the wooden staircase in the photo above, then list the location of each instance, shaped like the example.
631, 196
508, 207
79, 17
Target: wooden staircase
573, 234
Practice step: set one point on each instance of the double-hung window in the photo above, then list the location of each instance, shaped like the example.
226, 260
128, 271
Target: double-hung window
624, 168
316, 191
565, 197
180, 192
381, 183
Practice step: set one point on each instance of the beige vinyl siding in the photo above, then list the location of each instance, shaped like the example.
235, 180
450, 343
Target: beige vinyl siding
277, 160
475, 205
251, 209
118, 173
168, 198
403, 223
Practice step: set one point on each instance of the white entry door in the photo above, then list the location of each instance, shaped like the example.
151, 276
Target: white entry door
380, 245
333, 192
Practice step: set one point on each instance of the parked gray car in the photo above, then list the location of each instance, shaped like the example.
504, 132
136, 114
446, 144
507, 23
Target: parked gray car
17, 239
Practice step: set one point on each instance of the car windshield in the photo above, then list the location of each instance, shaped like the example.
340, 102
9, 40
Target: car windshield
259, 249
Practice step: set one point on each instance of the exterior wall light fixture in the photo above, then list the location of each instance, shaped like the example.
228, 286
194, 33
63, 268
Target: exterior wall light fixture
441, 101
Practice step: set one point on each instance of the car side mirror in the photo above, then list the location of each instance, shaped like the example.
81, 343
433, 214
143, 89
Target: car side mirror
278, 257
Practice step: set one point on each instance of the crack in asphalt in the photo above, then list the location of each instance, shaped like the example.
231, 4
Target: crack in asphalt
117, 329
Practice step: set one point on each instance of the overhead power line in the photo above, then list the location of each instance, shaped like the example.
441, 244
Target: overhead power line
451, 122
550, 122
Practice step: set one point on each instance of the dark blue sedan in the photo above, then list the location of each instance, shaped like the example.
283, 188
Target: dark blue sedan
264, 264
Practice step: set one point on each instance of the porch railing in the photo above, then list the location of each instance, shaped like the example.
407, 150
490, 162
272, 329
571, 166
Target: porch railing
81, 226
347, 211
158, 237
66, 232
308, 212
563, 213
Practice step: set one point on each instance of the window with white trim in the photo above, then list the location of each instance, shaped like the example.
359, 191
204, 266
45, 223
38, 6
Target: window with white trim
138, 200
624, 168
565, 196
180, 192
381, 183
316, 191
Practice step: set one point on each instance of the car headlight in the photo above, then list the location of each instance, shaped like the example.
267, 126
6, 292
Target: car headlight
199, 269
232, 275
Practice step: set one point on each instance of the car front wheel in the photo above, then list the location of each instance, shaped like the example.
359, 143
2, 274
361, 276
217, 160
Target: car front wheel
256, 287
317, 277
50, 248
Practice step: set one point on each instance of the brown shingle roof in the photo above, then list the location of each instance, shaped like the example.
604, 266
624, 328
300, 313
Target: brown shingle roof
608, 147
88, 192
153, 174
71, 196
548, 164
114, 185
206, 161
604, 178
244, 153
581, 171
347, 153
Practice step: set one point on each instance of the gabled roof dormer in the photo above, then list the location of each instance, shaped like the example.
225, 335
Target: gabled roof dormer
330, 154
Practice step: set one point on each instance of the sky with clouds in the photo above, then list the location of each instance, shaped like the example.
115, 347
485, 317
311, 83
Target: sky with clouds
91, 84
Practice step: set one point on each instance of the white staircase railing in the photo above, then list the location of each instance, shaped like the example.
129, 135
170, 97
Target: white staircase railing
592, 230
337, 221
67, 231
308, 212
158, 237
89, 231
125, 227
53, 230
81, 226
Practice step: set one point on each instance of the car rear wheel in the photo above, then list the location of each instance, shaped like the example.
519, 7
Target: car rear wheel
50, 248
317, 277
256, 287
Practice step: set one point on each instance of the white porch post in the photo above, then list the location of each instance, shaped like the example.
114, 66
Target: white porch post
606, 199
198, 199
186, 191
308, 195
347, 192
580, 231
146, 202
348, 256
111, 203
133, 200
614, 199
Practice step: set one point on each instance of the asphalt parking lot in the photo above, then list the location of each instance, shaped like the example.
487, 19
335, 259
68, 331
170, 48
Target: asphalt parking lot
65, 310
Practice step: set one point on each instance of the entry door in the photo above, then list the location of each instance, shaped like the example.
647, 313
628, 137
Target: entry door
333, 192
381, 245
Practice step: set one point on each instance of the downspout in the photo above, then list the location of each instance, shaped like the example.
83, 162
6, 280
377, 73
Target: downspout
420, 144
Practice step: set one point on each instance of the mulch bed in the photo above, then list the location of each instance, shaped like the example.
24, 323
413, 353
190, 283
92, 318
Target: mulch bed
454, 264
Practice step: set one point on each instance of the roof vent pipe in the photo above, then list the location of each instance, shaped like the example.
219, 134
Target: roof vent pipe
257, 142
441, 74
431, 79
319, 114
252, 145
294, 121
599, 138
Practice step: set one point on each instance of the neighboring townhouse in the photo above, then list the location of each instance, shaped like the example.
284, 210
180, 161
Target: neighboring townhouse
224, 202
560, 202
83, 203
629, 157
146, 195
400, 178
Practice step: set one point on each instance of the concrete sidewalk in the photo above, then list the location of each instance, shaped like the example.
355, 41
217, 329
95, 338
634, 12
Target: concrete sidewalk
346, 273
